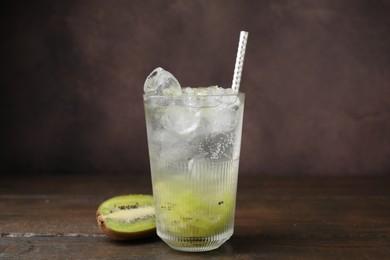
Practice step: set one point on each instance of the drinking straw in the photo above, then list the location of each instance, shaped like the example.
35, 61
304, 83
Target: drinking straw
239, 61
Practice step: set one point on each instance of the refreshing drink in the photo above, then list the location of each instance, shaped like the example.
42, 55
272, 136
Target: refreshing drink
194, 139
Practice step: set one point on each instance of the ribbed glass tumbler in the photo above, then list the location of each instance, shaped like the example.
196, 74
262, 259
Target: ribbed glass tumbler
194, 149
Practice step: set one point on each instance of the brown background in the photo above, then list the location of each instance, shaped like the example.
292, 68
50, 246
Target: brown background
316, 76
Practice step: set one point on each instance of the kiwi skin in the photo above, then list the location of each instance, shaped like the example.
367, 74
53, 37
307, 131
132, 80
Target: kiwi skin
123, 235
117, 235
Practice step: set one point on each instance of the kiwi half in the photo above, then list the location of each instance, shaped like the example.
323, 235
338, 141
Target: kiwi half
127, 217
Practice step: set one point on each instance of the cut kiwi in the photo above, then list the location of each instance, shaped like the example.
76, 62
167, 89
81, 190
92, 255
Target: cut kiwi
127, 217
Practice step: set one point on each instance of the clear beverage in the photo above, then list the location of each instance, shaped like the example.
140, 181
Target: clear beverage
194, 148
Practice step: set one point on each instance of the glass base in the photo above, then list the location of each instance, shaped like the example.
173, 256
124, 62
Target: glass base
195, 244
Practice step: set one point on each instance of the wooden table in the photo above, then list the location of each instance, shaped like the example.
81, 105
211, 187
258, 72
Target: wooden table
53, 217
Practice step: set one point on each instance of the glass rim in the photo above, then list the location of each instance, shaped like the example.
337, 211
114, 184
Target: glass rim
192, 96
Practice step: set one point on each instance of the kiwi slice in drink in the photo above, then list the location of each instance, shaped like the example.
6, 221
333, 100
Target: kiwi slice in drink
187, 214
127, 217
200, 217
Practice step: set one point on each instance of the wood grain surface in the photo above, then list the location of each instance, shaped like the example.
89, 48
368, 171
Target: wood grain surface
53, 217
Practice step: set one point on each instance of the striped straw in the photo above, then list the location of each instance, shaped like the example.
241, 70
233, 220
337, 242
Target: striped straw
239, 61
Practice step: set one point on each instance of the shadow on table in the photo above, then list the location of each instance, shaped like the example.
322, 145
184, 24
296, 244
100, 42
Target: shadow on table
139, 241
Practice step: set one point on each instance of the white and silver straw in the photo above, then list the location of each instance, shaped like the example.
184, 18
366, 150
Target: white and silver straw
239, 61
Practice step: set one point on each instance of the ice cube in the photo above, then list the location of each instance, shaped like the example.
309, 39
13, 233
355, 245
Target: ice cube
223, 119
181, 120
215, 90
161, 83
168, 148
208, 96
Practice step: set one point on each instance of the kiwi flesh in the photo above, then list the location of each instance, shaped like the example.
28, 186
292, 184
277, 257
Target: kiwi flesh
187, 213
127, 217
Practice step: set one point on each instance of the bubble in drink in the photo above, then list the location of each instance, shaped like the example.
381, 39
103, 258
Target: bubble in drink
161, 83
